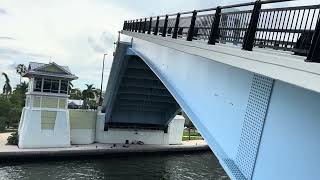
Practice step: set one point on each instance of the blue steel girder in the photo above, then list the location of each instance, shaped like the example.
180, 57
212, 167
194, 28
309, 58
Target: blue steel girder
144, 83
146, 98
139, 74
146, 103
146, 91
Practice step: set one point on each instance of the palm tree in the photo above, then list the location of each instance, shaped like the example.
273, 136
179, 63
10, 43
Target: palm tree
70, 87
7, 87
188, 124
87, 94
75, 93
21, 69
98, 95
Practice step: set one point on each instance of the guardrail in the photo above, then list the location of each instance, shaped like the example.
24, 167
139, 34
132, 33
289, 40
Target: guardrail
295, 29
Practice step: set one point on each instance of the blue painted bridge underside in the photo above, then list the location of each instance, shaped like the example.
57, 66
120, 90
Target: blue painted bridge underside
135, 97
258, 127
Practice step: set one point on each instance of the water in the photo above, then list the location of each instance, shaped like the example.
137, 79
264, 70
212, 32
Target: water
199, 166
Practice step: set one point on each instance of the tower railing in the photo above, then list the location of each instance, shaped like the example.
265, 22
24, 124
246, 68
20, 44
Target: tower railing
248, 25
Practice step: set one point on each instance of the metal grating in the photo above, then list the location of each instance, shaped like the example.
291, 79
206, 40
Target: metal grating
255, 114
237, 174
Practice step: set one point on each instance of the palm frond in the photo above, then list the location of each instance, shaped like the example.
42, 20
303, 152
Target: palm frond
6, 77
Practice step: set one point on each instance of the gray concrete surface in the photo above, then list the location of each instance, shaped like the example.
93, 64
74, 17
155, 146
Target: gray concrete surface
11, 151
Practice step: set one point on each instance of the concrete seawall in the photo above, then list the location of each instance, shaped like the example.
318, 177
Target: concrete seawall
13, 152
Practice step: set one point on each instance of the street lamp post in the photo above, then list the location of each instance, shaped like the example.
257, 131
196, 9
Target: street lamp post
100, 99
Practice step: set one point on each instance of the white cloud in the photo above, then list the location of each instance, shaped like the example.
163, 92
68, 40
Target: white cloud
3, 12
73, 33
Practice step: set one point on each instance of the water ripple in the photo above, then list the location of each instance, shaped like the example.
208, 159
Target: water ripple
202, 166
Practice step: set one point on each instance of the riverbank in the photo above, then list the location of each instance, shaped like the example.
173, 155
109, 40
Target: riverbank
13, 152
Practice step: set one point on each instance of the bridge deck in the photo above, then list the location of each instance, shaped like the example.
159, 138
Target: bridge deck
276, 64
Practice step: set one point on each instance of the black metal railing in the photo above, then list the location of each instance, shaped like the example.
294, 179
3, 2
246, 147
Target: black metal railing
233, 26
291, 28
247, 25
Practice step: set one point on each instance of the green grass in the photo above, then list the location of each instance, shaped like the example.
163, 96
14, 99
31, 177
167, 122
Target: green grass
186, 138
193, 135
185, 133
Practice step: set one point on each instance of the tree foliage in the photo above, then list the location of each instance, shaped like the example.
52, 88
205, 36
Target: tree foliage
21, 69
8, 111
92, 104
11, 106
18, 96
3, 123
70, 87
75, 93
87, 94
13, 139
188, 123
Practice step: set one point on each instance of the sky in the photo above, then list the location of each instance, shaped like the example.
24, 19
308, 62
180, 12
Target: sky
77, 33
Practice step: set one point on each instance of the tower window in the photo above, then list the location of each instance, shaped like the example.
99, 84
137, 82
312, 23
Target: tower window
37, 84
51, 85
64, 87
47, 85
54, 86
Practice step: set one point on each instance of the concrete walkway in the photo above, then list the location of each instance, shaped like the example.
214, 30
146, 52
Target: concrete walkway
3, 139
11, 151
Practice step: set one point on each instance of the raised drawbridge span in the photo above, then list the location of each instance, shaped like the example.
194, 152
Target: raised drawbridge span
248, 79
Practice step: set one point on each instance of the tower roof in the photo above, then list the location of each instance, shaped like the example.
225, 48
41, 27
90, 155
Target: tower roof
51, 69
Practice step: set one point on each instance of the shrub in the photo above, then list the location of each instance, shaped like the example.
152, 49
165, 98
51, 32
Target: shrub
13, 138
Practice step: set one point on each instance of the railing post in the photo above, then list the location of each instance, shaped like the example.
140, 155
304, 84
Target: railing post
144, 26
140, 26
165, 26
137, 25
192, 24
176, 26
157, 26
129, 26
251, 31
150, 25
314, 51
214, 34
134, 25
124, 25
